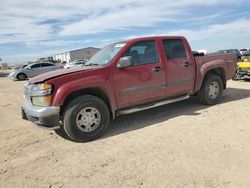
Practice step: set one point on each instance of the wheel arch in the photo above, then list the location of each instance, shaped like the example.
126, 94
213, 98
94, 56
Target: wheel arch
89, 91
219, 72
21, 73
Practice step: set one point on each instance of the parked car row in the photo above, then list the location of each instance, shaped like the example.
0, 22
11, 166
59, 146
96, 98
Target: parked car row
236, 51
242, 54
33, 70
28, 71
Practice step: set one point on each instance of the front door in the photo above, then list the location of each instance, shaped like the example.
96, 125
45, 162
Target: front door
142, 82
179, 68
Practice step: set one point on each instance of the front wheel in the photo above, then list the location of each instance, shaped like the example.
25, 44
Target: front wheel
85, 118
21, 76
211, 90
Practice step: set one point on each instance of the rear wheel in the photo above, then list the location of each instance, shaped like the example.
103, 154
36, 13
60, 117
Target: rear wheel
85, 118
211, 91
21, 76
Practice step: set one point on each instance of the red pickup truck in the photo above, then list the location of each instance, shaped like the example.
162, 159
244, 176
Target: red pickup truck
122, 78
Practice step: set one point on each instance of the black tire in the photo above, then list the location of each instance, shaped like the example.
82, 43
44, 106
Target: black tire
237, 77
71, 113
205, 96
21, 76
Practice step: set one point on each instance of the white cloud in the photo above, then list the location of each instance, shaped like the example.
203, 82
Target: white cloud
58, 24
142, 14
229, 35
21, 20
22, 30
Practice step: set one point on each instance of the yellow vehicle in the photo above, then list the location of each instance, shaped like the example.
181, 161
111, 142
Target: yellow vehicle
243, 70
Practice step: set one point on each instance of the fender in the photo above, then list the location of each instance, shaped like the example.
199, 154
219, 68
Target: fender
205, 68
97, 81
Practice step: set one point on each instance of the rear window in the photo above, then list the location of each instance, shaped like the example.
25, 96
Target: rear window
174, 48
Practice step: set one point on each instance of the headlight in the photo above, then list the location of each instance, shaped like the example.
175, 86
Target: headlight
40, 90
41, 94
11, 74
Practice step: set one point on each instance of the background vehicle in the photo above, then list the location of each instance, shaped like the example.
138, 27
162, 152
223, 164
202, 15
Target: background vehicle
236, 51
246, 53
76, 63
243, 50
21, 67
243, 71
33, 70
246, 56
122, 78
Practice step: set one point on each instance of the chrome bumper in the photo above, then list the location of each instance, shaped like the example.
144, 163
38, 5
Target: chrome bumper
45, 117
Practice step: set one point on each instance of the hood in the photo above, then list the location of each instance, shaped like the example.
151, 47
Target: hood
49, 75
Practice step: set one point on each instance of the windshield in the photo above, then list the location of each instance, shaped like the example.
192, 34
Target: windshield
27, 67
105, 55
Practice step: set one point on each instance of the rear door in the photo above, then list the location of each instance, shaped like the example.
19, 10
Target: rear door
46, 67
34, 70
179, 67
142, 82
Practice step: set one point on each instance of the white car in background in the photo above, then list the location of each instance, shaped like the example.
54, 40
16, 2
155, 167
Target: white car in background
76, 63
33, 70
243, 50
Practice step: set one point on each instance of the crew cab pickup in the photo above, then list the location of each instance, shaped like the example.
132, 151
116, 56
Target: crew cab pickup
122, 78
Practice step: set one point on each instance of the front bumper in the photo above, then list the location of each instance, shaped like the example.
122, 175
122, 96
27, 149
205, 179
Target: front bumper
45, 117
243, 72
12, 76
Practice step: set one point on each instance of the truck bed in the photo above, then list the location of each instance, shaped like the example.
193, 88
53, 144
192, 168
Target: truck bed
215, 59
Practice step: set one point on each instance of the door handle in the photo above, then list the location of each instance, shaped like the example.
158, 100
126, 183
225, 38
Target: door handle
157, 69
186, 64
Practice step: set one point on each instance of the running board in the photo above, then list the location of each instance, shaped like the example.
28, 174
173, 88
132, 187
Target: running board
145, 107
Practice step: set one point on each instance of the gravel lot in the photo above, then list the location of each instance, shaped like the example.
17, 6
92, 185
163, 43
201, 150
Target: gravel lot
184, 144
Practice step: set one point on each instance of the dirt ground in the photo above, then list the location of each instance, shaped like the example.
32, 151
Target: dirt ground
184, 144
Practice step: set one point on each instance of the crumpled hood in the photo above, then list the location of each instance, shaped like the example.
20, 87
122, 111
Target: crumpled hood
52, 74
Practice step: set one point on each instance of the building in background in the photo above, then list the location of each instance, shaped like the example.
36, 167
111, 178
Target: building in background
3, 66
79, 54
45, 59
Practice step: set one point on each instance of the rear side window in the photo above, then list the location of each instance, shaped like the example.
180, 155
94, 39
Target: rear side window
36, 65
174, 48
47, 65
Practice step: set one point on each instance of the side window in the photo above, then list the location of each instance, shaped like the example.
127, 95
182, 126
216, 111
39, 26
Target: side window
143, 53
46, 65
36, 65
174, 49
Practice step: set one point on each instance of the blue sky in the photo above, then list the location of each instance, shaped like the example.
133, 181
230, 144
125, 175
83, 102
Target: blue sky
31, 29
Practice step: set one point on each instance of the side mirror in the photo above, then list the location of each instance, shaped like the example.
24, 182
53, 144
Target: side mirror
124, 62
